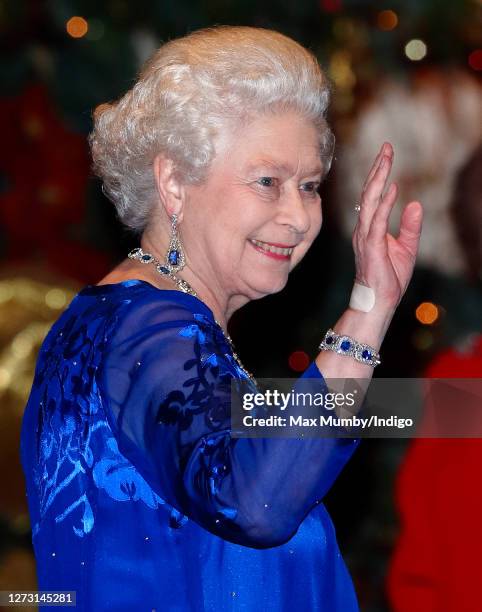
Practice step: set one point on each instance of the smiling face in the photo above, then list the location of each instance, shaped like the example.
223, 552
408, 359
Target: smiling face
254, 218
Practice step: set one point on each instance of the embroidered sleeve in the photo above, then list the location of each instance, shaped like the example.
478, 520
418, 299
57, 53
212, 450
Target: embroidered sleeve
167, 388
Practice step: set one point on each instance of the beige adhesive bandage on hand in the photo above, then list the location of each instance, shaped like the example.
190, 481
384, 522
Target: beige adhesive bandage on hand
362, 298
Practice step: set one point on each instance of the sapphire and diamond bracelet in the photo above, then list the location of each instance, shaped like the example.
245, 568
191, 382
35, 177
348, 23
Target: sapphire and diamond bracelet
345, 345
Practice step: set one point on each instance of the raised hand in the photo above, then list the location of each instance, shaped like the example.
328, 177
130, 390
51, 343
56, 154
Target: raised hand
383, 262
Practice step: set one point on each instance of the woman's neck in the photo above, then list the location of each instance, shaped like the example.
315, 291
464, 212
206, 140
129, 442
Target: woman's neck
212, 296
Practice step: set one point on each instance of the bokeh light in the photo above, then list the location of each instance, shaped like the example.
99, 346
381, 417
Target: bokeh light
475, 59
298, 361
427, 313
344, 28
387, 20
341, 70
55, 299
5, 377
415, 49
21, 345
77, 27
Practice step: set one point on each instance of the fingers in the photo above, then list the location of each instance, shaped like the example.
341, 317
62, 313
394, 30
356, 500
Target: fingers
411, 227
386, 149
373, 192
379, 224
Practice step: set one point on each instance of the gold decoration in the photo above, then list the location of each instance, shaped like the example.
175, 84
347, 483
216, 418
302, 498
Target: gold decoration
28, 309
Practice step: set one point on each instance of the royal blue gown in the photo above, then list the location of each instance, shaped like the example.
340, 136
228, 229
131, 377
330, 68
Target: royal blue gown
139, 496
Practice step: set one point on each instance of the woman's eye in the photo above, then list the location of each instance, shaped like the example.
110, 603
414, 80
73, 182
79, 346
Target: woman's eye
266, 181
311, 187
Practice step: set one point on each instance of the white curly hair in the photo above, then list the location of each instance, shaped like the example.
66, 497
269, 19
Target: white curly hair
186, 93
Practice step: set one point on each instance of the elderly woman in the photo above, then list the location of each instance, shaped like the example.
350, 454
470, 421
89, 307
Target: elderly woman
139, 494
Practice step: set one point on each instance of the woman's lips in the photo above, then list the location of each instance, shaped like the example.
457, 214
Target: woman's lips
273, 250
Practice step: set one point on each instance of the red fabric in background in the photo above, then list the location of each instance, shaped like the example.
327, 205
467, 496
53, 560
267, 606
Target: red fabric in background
44, 168
437, 563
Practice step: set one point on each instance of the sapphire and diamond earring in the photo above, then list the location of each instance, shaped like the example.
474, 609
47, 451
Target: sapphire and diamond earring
175, 259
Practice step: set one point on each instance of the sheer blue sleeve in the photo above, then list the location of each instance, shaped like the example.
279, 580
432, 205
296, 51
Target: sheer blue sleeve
167, 387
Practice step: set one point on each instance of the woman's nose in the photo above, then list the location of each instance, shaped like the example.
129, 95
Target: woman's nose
293, 212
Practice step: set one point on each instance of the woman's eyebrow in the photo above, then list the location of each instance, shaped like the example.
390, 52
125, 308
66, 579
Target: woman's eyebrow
285, 168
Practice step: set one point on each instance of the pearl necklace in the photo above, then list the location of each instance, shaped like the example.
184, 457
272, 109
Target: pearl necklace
185, 287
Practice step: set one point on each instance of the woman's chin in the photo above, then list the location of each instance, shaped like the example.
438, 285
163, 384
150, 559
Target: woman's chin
268, 286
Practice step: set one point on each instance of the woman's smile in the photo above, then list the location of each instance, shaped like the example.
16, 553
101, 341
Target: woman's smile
273, 250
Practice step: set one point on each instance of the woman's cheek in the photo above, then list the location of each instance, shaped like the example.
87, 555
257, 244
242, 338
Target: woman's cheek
300, 252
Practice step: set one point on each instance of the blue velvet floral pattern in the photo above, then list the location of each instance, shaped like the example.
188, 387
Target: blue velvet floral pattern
67, 424
206, 391
209, 374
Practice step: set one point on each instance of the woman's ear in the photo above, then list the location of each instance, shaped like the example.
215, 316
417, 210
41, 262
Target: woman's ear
169, 187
